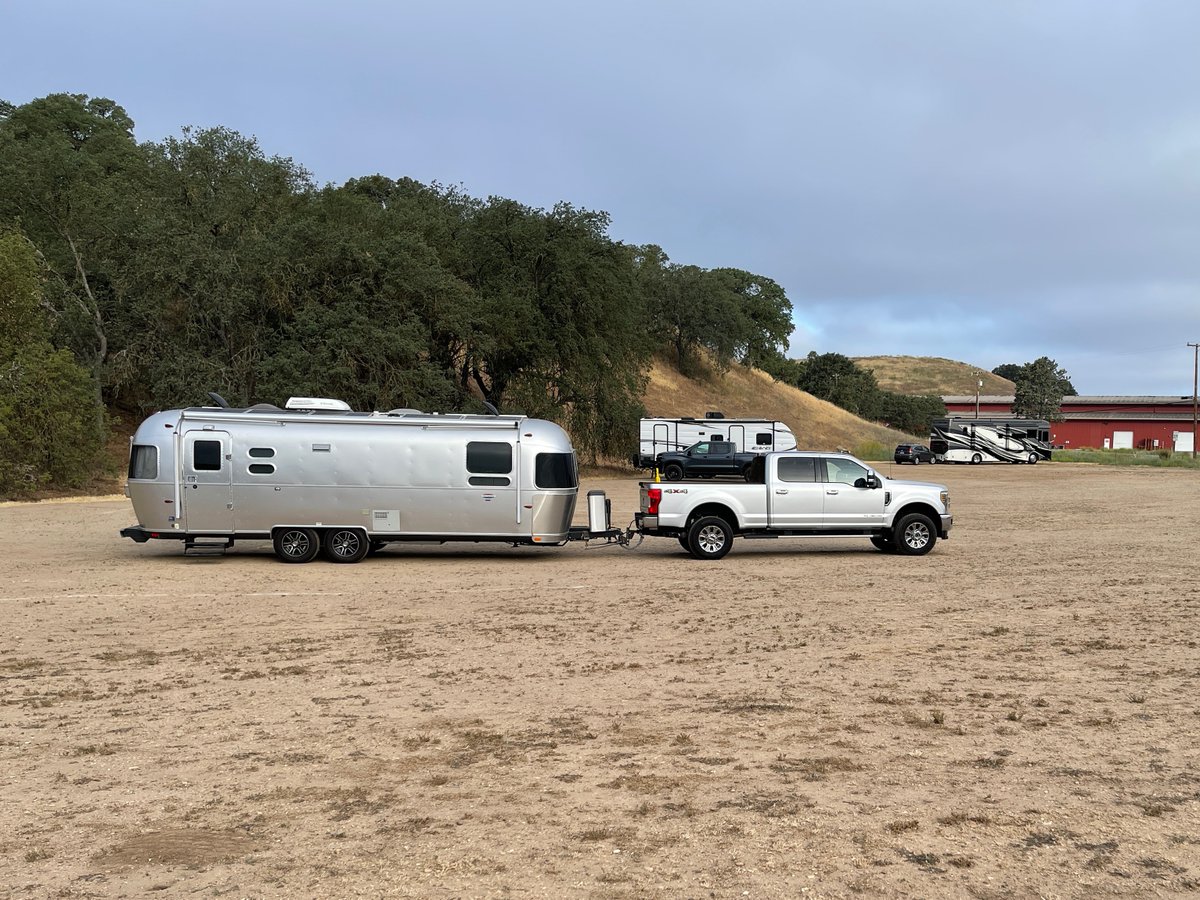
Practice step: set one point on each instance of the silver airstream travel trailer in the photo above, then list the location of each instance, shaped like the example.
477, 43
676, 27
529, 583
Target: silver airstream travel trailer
317, 477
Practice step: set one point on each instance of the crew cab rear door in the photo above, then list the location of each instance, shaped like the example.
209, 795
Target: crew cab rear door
795, 492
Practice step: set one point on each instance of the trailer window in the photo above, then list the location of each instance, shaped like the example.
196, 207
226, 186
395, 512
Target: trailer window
555, 470
262, 453
206, 456
489, 458
143, 461
262, 469
801, 469
764, 437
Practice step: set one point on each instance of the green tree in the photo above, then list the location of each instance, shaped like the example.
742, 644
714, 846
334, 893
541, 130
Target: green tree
838, 379
1041, 386
69, 173
50, 433
1011, 371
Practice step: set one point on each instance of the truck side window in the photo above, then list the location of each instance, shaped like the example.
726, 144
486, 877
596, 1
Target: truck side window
206, 456
843, 471
798, 469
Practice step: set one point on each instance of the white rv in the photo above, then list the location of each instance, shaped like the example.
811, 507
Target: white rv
959, 439
317, 477
747, 435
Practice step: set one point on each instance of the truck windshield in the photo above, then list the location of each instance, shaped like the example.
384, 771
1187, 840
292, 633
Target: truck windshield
555, 470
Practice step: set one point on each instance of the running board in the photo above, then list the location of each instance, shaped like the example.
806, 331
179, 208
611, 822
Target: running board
206, 546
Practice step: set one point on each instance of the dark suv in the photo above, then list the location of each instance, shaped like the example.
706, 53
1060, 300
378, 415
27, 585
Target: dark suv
914, 453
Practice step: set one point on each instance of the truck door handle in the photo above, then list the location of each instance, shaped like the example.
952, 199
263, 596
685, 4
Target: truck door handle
831, 492
781, 490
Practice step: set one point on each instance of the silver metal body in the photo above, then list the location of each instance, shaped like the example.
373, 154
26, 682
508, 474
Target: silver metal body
398, 476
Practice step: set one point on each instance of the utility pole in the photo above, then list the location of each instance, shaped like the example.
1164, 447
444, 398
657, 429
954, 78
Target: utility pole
1195, 369
978, 386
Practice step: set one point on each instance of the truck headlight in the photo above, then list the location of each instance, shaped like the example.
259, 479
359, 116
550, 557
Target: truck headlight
946, 500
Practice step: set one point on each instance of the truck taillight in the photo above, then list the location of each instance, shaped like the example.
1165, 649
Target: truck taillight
654, 496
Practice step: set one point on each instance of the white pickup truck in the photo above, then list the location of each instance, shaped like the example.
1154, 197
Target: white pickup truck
798, 494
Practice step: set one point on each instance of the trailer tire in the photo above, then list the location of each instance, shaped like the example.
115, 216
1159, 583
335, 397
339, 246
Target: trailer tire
673, 472
710, 537
345, 545
295, 545
915, 534
976, 459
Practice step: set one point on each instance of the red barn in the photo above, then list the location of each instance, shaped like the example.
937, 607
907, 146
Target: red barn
1145, 422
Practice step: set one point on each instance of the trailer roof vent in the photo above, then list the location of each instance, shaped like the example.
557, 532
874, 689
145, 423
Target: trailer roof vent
323, 404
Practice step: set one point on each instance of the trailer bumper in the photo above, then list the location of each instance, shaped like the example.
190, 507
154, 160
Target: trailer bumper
141, 535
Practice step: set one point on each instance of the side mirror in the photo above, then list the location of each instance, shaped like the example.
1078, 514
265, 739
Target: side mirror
871, 481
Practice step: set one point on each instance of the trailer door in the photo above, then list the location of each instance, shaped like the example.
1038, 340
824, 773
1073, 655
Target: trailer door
207, 483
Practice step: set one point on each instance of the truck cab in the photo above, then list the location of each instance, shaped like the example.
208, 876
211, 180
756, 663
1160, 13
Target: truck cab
705, 459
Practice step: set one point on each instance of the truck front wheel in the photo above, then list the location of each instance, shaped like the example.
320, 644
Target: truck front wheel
673, 472
710, 537
915, 534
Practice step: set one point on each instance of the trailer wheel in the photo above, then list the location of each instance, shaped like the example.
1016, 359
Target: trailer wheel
976, 459
295, 545
883, 543
915, 534
710, 537
345, 545
673, 472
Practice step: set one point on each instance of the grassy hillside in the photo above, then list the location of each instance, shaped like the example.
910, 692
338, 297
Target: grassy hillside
746, 393
918, 375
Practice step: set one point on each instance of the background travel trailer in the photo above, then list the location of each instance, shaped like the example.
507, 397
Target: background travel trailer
660, 435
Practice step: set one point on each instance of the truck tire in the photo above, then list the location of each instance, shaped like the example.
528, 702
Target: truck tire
710, 537
295, 545
915, 534
345, 545
883, 543
673, 472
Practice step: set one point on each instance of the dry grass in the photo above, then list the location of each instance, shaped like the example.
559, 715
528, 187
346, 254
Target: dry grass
921, 375
749, 393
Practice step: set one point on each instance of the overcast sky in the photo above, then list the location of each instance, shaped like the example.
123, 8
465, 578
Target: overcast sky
984, 181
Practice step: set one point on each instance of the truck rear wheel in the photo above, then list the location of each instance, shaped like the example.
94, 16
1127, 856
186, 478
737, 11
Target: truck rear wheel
295, 545
345, 545
915, 534
710, 537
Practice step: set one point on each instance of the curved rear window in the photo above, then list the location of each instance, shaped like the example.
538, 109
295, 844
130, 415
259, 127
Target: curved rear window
143, 461
555, 470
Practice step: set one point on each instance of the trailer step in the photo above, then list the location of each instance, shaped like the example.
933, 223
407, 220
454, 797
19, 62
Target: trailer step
206, 546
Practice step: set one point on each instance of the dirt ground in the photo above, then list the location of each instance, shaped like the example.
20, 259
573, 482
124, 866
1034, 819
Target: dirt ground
1015, 714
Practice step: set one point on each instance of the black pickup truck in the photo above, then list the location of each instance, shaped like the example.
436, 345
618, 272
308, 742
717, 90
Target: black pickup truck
705, 459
